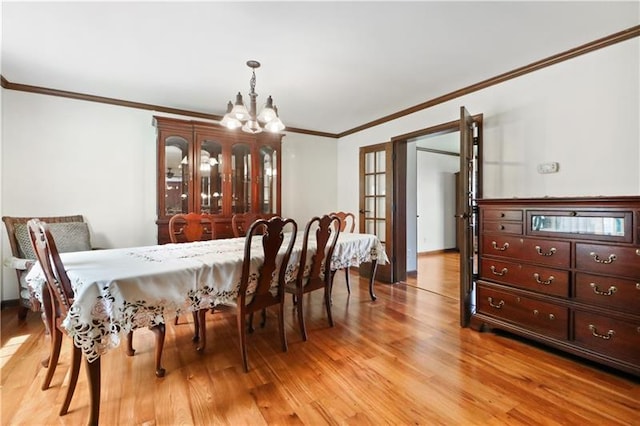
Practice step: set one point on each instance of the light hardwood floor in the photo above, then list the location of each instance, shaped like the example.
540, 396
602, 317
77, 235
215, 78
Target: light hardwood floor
438, 273
400, 360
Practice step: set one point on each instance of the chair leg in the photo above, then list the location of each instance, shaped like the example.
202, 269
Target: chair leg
196, 326
175, 320
301, 323
130, 350
202, 329
243, 339
159, 330
264, 318
93, 379
283, 336
327, 303
47, 315
22, 313
76, 356
56, 343
346, 276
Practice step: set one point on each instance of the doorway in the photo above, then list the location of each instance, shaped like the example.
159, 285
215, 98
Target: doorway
433, 253
470, 188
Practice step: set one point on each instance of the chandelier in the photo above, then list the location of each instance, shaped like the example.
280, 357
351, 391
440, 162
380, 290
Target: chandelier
238, 115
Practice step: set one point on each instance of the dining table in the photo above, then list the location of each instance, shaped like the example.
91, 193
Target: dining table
119, 290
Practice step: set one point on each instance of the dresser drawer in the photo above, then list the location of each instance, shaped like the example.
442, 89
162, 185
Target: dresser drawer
547, 252
504, 227
614, 293
529, 277
615, 338
501, 245
502, 214
541, 317
609, 260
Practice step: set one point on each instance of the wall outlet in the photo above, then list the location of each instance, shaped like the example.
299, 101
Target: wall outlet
544, 168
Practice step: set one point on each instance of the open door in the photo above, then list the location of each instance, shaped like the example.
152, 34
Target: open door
376, 195
467, 215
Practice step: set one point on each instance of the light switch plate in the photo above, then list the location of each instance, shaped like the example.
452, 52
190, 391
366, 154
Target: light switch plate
544, 168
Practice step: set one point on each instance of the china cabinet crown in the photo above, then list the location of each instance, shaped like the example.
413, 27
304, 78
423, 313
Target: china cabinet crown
205, 168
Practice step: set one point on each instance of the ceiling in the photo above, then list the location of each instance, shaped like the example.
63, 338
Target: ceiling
330, 66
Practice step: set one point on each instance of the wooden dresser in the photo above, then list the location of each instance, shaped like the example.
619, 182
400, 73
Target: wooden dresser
564, 272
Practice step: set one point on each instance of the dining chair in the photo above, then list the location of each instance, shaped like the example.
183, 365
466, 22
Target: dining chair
57, 298
190, 227
257, 290
347, 224
240, 222
318, 274
187, 228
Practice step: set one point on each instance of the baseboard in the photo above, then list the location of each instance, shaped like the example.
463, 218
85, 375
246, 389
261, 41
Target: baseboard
441, 251
9, 303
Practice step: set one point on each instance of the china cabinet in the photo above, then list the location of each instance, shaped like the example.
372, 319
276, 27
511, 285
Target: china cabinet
564, 272
208, 169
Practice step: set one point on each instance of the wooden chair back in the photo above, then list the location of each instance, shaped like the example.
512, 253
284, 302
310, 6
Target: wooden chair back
272, 234
190, 227
57, 301
241, 222
327, 230
47, 255
347, 221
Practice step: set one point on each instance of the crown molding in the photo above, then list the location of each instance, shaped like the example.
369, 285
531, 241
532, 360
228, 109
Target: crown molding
618, 37
535, 66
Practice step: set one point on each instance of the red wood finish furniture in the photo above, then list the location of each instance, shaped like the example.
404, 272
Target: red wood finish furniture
241, 222
57, 301
187, 228
327, 230
271, 232
347, 224
564, 272
207, 169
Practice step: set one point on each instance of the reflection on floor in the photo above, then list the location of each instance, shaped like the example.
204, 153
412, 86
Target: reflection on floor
438, 273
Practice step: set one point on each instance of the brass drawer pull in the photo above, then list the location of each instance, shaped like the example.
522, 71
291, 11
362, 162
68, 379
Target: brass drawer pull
545, 282
596, 258
609, 292
594, 333
501, 273
551, 251
637, 286
503, 248
498, 306
638, 252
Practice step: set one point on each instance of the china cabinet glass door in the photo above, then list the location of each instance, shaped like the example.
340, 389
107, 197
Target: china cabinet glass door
241, 196
268, 183
209, 164
176, 175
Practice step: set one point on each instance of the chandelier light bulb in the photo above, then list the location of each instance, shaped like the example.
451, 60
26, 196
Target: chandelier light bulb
238, 114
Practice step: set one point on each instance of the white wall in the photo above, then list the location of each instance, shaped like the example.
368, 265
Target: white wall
62, 156
582, 113
436, 200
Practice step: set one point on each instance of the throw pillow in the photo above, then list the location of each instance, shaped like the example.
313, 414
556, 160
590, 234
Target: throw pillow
69, 236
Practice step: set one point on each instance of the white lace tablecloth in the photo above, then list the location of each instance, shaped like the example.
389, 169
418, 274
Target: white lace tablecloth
118, 290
